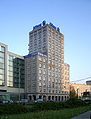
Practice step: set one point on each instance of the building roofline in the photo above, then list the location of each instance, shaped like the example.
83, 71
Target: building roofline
39, 26
3, 44
14, 54
35, 54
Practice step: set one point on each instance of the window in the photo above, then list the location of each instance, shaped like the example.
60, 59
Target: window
10, 58
1, 66
49, 91
40, 58
44, 85
43, 66
40, 71
10, 78
49, 61
52, 91
1, 71
40, 65
11, 73
44, 90
39, 83
2, 49
1, 82
44, 72
1, 54
1, 60
10, 84
2, 77
44, 78
11, 68
39, 77
49, 73
10, 63
49, 67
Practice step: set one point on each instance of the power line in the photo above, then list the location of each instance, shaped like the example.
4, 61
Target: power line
82, 79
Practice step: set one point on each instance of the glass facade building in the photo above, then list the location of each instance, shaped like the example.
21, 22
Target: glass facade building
16, 72
2, 65
12, 73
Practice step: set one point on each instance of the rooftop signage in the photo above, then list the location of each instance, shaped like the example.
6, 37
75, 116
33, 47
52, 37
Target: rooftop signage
37, 26
44, 23
56, 28
52, 25
34, 54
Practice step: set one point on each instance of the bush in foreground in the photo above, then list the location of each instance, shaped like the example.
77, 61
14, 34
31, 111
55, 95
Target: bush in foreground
71, 103
17, 109
13, 109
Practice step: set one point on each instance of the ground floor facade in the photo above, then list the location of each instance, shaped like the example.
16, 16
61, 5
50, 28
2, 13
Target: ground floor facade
48, 97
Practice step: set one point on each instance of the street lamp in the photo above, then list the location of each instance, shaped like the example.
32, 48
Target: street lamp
77, 92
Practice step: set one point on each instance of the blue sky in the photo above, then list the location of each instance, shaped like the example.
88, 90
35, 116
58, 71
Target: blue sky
17, 17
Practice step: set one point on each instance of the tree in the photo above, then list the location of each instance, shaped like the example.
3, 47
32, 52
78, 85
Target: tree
72, 92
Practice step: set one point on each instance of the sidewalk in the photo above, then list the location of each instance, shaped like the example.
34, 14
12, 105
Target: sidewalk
86, 115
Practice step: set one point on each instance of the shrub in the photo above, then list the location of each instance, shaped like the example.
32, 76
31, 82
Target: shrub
73, 102
13, 109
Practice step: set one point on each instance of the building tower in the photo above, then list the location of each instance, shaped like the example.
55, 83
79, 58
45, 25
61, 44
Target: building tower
46, 42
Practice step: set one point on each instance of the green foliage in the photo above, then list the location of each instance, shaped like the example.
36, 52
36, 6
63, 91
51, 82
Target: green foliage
71, 103
47, 106
13, 109
52, 114
74, 102
17, 109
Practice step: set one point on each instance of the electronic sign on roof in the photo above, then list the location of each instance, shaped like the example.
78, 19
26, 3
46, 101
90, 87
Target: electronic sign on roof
37, 26
34, 54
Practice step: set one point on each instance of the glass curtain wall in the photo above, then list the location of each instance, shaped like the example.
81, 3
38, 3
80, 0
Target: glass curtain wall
2, 65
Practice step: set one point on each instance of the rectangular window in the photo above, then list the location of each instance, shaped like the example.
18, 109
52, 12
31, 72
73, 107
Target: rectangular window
10, 58
10, 78
2, 77
2, 49
40, 65
10, 73
39, 83
1, 66
44, 60
40, 58
1, 60
44, 72
43, 66
40, 71
1, 82
10, 63
39, 77
1, 71
10, 68
1, 54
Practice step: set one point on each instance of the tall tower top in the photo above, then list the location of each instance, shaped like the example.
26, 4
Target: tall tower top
43, 24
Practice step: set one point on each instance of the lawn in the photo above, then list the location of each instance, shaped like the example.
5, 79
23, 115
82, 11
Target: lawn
57, 114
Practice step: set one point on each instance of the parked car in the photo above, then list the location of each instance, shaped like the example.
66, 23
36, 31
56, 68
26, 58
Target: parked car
24, 101
6, 101
39, 100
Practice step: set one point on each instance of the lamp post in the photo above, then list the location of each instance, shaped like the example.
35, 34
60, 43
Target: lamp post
77, 93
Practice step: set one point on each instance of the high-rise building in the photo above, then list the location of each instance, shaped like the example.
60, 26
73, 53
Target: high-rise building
47, 40
12, 73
